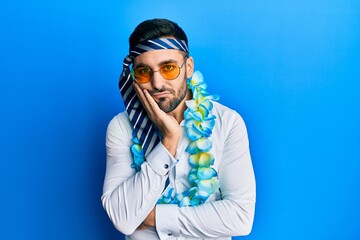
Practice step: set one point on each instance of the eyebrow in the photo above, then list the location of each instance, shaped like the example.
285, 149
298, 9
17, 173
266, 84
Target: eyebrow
159, 64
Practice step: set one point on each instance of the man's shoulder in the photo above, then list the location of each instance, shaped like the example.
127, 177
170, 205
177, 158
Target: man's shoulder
227, 115
123, 116
223, 110
221, 107
120, 122
120, 117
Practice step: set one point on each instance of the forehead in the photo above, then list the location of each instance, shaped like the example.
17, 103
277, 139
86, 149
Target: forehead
153, 58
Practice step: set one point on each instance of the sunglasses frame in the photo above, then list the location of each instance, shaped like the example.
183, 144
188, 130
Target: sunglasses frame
152, 72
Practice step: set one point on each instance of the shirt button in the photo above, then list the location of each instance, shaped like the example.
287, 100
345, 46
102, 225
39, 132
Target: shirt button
169, 234
166, 166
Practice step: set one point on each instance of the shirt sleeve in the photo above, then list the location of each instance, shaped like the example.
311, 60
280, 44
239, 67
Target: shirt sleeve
230, 216
128, 197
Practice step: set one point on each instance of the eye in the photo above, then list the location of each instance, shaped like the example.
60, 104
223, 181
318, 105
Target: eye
142, 70
168, 67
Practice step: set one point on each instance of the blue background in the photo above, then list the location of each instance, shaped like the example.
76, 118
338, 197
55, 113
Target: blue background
290, 68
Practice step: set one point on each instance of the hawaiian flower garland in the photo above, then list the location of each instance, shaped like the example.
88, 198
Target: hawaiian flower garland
138, 153
199, 123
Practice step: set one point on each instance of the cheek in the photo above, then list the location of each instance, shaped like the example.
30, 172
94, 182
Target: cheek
180, 85
146, 86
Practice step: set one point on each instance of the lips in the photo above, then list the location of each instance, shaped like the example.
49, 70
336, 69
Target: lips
159, 95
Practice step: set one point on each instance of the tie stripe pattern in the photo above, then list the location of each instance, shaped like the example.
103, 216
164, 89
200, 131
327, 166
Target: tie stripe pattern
143, 128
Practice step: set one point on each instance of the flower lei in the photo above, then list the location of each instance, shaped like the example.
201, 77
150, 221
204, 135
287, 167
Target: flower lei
199, 123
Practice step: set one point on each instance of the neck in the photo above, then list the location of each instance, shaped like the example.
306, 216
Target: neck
178, 112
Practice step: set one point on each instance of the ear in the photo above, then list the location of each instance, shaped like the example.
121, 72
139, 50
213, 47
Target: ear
189, 67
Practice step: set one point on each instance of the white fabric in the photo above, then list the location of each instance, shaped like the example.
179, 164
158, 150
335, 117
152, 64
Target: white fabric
128, 197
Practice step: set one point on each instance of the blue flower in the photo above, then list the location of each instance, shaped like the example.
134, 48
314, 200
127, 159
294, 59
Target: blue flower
200, 145
199, 124
208, 186
206, 173
138, 154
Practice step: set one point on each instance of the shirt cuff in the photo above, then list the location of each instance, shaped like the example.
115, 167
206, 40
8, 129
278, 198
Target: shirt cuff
160, 160
167, 221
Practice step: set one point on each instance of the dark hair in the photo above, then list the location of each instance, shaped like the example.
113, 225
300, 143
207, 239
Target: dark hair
156, 28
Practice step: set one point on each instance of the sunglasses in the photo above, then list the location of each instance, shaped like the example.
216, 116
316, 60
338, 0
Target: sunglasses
169, 71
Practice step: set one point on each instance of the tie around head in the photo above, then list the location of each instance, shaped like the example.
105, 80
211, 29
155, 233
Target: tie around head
143, 128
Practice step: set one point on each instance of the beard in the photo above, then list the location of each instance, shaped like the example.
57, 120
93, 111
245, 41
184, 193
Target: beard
169, 105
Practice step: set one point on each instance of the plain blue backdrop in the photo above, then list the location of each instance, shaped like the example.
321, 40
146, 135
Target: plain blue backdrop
290, 68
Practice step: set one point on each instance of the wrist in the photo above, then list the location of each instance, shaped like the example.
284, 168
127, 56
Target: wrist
150, 219
171, 143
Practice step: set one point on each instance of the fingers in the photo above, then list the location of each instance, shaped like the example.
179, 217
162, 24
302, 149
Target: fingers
148, 102
155, 109
143, 99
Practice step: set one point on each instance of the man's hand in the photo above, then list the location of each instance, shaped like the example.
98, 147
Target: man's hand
168, 125
149, 221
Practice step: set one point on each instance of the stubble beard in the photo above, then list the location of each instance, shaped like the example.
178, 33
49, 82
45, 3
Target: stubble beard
170, 105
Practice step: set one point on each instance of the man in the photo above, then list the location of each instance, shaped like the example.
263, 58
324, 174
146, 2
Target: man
178, 163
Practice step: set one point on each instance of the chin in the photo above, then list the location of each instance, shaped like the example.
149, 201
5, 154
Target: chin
166, 106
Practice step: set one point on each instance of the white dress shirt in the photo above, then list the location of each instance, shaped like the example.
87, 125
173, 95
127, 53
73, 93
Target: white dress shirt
128, 197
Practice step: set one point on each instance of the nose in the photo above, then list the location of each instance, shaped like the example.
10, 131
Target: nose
157, 81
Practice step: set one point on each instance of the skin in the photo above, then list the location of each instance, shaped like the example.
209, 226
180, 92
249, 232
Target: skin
164, 101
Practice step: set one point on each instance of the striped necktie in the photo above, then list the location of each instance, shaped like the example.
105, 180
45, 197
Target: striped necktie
143, 128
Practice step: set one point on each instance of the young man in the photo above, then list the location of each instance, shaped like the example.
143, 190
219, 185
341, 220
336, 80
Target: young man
178, 162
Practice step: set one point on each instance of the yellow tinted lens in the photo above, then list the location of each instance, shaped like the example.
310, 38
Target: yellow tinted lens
142, 74
169, 71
